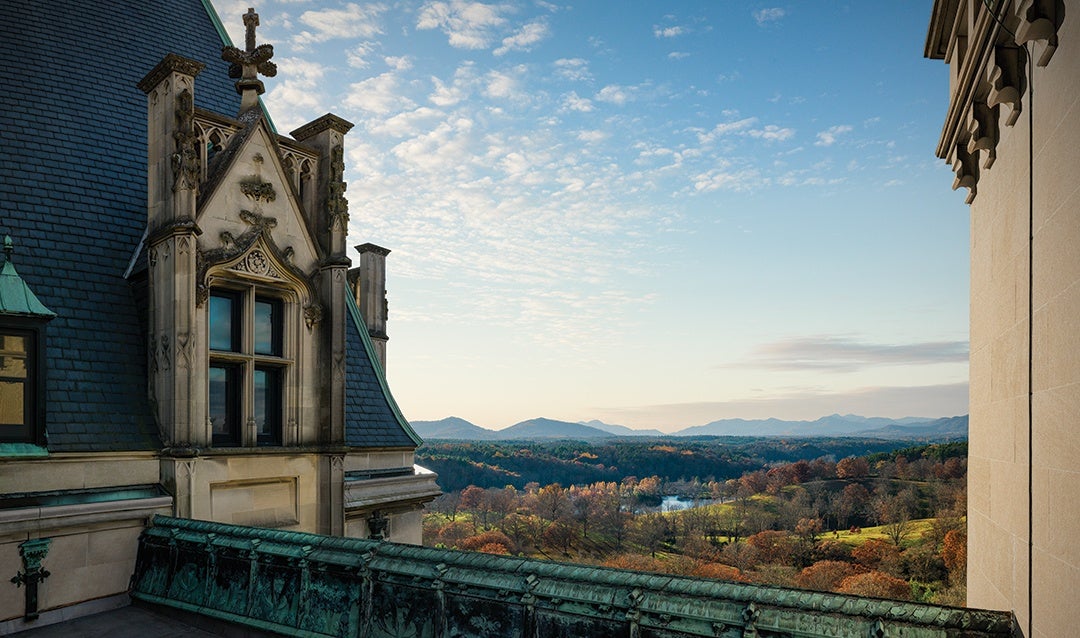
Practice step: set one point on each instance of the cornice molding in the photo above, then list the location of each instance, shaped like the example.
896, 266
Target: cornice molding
988, 54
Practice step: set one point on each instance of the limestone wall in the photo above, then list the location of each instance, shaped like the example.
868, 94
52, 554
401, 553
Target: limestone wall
92, 530
1000, 513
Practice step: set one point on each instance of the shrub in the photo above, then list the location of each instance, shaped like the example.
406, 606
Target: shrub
826, 575
874, 552
718, 571
486, 541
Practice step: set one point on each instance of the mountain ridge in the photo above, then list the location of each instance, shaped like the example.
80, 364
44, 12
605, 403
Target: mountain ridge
951, 427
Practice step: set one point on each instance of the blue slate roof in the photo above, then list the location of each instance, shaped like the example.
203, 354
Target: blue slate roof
73, 191
73, 197
372, 418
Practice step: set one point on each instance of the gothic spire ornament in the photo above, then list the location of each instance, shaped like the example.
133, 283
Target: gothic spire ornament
247, 64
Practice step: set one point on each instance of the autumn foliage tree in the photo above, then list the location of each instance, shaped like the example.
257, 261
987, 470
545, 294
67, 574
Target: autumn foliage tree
852, 467
954, 551
491, 542
876, 585
826, 575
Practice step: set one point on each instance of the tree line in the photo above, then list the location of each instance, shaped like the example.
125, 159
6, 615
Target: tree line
518, 463
798, 523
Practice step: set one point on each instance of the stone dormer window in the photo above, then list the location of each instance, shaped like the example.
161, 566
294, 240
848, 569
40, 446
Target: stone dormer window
22, 357
248, 365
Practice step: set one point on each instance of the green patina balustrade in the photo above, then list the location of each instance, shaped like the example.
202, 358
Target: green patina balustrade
310, 585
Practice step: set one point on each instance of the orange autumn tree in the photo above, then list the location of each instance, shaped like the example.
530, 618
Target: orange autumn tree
876, 584
826, 575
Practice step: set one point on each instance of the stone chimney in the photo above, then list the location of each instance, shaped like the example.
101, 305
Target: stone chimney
369, 286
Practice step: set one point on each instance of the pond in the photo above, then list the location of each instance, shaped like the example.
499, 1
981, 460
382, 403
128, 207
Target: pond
675, 503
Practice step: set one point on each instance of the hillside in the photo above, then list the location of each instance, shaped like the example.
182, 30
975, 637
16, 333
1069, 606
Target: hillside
542, 428
832, 425
451, 427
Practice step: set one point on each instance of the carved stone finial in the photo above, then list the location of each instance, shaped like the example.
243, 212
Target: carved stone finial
9, 247
336, 204
185, 161
247, 64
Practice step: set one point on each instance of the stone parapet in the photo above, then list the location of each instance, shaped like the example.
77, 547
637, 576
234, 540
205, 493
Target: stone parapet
310, 585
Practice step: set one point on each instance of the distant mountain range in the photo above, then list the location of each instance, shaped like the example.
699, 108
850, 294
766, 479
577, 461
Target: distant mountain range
946, 428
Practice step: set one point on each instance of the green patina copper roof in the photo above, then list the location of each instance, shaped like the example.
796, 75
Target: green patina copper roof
300, 584
16, 298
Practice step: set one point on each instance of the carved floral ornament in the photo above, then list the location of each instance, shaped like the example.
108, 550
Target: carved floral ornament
1002, 36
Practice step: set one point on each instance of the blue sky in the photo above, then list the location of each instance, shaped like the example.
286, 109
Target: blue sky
651, 213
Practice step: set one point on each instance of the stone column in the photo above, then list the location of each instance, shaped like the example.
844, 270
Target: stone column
177, 380
329, 223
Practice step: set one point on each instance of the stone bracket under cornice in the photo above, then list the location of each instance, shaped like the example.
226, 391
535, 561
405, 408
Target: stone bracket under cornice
989, 54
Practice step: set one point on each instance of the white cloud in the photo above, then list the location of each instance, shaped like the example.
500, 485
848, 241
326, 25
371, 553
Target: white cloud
296, 97
357, 57
467, 25
503, 85
772, 133
669, 32
764, 16
458, 90
726, 128
398, 63
406, 124
524, 39
381, 94
572, 102
678, 55
828, 137
592, 136
723, 179
441, 150
614, 94
573, 69
353, 21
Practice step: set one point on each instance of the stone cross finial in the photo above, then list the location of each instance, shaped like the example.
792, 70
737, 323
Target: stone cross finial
247, 64
251, 20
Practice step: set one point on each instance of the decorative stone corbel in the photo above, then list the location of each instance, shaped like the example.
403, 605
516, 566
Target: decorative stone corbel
313, 314
32, 552
1005, 74
1038, 21
966, 167
377, 524
983, 127
750, 617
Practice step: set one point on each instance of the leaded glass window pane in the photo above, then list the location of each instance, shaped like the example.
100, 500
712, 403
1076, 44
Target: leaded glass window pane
223, 408
222, 317
267, 327
267, 386
13, 369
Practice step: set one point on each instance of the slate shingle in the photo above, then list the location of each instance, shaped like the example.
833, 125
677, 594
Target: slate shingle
370, 419
73, 191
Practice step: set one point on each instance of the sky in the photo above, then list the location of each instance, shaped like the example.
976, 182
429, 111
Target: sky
655, 214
